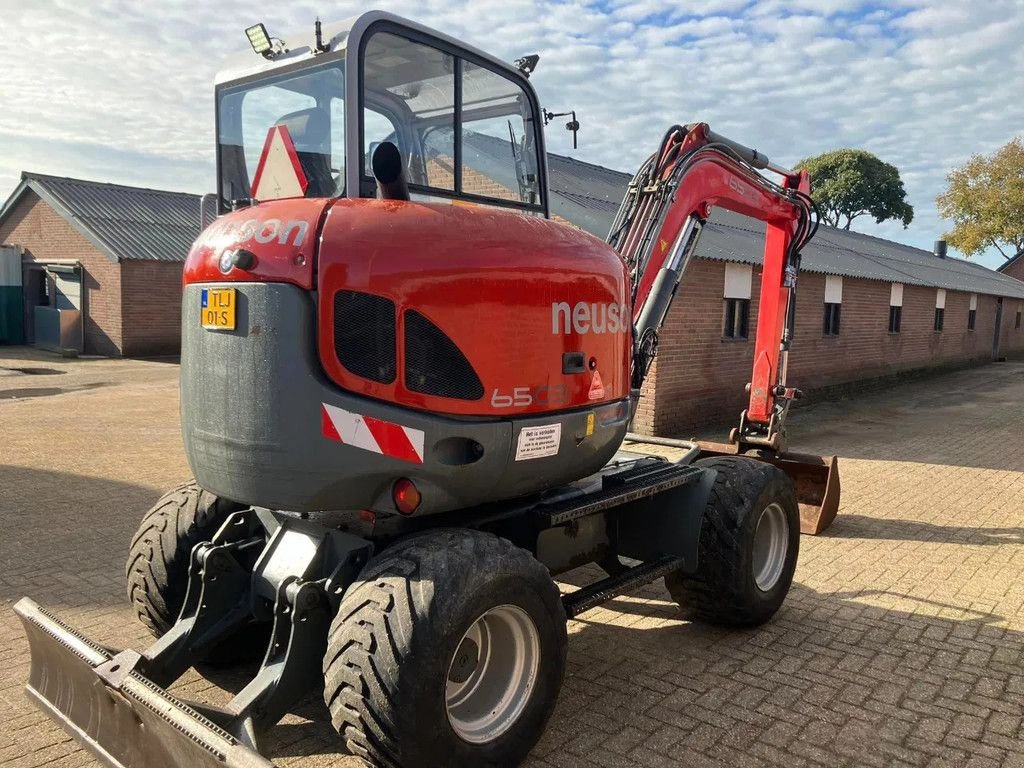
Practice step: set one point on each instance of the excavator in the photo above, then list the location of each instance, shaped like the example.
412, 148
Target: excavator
406, 394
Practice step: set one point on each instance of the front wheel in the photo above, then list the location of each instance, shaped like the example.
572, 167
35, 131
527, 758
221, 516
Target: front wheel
161, 550
749, 544
448, 650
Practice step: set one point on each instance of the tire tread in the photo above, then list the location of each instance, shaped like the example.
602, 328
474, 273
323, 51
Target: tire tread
373, 631
156, 570
714, 593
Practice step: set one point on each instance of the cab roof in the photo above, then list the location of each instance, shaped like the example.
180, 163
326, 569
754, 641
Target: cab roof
337, 37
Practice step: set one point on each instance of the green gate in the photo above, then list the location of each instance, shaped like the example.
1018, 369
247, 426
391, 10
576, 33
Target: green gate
12, 307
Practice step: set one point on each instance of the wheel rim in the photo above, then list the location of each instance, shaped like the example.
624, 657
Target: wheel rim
771, 545
492, 674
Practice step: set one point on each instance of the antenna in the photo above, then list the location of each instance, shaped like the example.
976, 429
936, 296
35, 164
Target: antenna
319, 47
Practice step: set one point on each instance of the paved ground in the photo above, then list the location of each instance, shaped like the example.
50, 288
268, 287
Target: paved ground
902, 642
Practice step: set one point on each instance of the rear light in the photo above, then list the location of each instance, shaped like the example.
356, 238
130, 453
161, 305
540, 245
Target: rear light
238, 257
406, 496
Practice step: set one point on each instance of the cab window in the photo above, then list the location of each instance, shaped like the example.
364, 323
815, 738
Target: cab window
408, 93
498, 154
309, 104
482, 149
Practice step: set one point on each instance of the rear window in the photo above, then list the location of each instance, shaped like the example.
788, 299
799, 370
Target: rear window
464, 130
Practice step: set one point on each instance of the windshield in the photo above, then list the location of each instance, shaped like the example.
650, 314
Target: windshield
309, 106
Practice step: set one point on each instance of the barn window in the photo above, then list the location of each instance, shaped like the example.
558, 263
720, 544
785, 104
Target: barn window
736, 322
833, 305
1017, 321
736, 303
972, 312
895, 307
895, 319
940, 309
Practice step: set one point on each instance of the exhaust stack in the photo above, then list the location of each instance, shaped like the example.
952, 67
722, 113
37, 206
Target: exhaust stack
388, 170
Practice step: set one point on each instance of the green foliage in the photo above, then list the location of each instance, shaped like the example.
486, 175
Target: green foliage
848, 183
985, 200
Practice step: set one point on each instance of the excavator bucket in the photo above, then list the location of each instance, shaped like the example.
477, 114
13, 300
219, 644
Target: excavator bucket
124, 719
816, 479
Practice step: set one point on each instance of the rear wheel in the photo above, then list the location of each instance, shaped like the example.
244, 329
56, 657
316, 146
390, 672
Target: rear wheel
158, 559
749, 544
448, 650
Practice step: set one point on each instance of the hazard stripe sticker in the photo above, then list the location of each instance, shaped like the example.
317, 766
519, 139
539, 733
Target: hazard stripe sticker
370, 434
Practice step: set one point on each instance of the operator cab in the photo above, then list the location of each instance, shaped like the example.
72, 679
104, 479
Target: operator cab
468, 126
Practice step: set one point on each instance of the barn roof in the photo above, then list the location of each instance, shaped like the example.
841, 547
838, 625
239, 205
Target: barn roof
122, 222
1010, 261
728, 236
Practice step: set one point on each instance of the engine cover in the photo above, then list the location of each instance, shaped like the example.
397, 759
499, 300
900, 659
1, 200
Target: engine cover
482, 354
470, 310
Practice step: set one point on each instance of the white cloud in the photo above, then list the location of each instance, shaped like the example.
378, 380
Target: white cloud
122, 91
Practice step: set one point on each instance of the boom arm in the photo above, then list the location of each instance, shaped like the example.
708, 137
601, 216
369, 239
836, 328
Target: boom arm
656, 232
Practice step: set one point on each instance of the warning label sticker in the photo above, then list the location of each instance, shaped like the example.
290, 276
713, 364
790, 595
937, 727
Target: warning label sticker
538, 442
596, 387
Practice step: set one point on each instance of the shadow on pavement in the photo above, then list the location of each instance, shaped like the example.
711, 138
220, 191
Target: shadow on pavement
832, 673
849, 526
65, 537
833, 676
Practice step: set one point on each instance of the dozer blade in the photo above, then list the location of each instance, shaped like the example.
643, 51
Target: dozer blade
125, 720
816, 479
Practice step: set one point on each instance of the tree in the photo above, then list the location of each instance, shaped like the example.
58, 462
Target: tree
985, 200
848, 183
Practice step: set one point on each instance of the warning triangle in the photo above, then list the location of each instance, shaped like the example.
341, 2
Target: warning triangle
596, 387
279, 173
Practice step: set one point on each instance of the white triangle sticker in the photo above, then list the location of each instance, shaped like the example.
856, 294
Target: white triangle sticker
596, 387
279, 173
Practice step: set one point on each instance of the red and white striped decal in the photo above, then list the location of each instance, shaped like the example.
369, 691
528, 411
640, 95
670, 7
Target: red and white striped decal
372, 434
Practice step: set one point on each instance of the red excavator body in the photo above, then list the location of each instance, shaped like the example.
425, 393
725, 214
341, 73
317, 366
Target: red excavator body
537, 313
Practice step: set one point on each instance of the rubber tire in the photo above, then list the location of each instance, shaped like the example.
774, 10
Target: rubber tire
158, 558
723, 591
398, 628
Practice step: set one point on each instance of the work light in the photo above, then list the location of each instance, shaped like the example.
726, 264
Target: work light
259, 39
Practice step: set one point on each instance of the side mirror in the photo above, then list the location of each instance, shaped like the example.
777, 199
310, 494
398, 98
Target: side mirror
208, 209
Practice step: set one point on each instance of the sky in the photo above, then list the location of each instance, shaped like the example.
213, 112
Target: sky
123, 91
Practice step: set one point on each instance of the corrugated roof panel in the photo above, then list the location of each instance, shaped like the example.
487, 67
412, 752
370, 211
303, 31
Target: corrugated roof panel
132, 222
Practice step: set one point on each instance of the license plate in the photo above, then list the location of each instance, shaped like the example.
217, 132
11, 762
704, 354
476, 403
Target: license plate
218, 309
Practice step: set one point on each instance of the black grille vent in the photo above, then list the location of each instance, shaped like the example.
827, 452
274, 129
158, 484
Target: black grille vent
364, 335
434, 365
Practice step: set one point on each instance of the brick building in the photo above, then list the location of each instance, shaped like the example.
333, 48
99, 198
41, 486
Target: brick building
1014, 266
867, 309
109, 255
